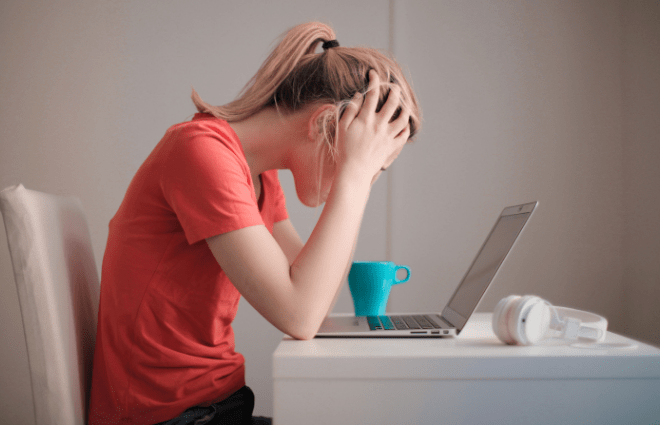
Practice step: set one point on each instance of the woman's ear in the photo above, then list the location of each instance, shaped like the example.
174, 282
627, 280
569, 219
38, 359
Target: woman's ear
322, 117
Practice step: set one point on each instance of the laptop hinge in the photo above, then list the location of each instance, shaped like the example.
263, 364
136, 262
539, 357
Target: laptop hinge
445, 323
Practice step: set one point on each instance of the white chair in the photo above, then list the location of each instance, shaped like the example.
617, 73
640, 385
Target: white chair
58, 289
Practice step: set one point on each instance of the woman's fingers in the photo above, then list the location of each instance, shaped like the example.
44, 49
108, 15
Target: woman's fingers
351, 110
371, 97
371, 140
401, 122
389, 108
403, 136
393, 102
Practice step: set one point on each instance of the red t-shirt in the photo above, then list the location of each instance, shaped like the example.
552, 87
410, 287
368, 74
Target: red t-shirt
164, 341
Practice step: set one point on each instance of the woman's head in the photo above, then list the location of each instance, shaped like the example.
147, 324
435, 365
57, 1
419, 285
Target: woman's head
295, 75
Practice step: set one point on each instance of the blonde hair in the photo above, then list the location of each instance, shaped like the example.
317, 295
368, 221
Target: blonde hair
294, 75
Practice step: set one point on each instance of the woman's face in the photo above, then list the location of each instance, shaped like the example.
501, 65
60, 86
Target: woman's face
313, 173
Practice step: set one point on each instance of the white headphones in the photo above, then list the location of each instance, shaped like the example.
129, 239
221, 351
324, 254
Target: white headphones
529, 319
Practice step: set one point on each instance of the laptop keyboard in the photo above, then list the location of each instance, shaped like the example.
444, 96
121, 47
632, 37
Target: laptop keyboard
390, 323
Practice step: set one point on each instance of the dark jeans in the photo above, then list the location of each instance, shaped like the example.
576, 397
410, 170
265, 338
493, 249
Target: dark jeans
235, 410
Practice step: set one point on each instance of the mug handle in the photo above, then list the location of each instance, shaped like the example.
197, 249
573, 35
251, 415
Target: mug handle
402, 280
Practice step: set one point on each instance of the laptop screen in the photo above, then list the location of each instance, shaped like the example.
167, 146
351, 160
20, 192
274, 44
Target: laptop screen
485, 265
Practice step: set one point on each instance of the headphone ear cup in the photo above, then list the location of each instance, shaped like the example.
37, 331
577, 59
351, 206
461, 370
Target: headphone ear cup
528, 322
501, 317
516, 324
512, 323
536, 322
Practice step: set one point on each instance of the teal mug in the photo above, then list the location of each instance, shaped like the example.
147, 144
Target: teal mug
370, 284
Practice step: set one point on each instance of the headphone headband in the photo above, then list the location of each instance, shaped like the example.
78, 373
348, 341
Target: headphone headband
582, 324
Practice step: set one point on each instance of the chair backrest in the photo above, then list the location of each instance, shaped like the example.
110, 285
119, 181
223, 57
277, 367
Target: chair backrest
58, 289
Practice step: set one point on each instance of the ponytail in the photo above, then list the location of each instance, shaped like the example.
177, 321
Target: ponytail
294, 76
299, 41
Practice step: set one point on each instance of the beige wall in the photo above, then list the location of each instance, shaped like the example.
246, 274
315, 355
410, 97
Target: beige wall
549, 101
641, 164
522, 103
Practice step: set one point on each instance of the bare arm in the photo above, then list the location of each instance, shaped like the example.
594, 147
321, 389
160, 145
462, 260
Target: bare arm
295, 297
348, 269
288, 239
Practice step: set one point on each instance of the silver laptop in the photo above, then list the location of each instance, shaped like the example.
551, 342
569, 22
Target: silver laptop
461, 305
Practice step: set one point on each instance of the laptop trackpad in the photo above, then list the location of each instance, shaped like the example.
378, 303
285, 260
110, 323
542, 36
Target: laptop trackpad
344, 323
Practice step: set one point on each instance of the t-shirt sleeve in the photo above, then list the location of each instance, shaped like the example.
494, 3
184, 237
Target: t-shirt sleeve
207, 183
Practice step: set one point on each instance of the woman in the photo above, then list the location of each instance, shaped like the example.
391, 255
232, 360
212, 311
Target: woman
204, 222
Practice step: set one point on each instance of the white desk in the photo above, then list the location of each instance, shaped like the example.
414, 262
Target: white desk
472, 379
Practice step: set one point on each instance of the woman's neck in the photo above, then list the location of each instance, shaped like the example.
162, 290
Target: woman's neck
267, 138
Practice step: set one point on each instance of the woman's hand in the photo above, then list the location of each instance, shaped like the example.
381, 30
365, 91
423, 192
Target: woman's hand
368, 141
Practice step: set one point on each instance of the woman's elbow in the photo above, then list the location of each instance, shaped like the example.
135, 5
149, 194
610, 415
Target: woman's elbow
303, 336
302, 329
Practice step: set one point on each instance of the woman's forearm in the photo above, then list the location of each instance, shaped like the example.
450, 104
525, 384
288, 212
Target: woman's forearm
344, 277
319, 270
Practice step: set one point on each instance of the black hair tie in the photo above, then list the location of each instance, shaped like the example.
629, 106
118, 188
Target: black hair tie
330, 44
